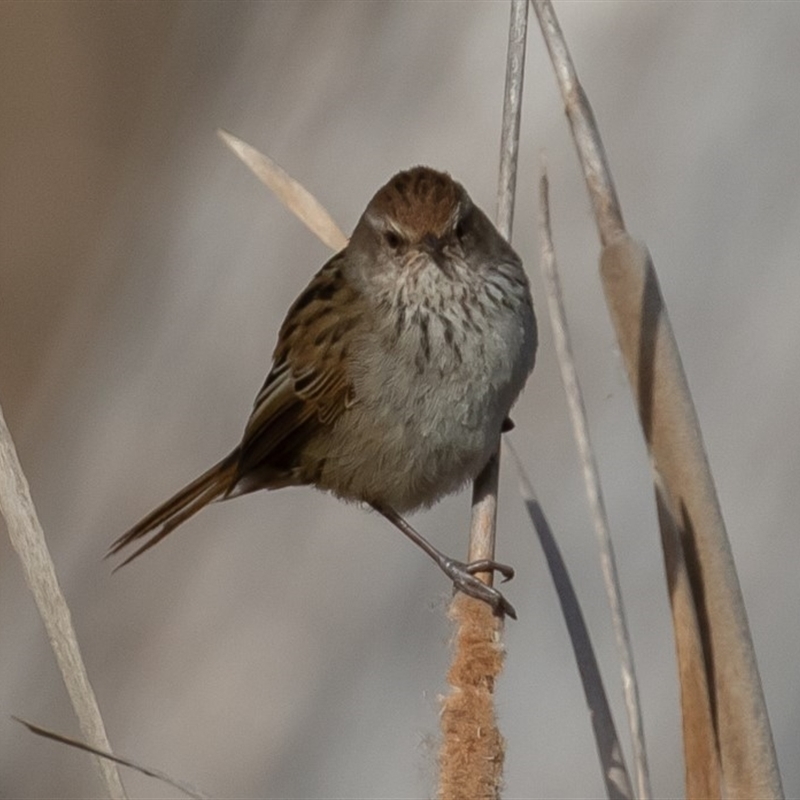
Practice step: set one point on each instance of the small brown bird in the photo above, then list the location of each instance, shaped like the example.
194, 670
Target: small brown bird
393, 374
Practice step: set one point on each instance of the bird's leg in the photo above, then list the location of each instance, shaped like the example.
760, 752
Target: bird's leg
462, 574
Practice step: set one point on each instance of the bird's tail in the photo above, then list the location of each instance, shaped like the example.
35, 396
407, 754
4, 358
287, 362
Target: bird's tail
210, 486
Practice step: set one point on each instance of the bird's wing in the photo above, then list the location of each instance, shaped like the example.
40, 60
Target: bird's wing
309, 385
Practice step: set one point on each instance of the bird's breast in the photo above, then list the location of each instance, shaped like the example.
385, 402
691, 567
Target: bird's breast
433, 385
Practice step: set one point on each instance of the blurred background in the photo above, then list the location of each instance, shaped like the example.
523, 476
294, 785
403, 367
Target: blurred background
287, 645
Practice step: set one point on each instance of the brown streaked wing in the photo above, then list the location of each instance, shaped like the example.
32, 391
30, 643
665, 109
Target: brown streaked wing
308, 386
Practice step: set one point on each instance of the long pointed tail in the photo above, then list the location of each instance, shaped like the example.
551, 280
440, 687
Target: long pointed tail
211, 485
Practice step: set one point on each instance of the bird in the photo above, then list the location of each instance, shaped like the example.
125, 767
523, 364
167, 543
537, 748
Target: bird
393, 374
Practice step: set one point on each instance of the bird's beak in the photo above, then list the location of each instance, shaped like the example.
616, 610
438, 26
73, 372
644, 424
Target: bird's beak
433, 246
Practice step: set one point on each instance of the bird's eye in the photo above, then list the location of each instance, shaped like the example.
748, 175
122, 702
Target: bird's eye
392, 239
461, 229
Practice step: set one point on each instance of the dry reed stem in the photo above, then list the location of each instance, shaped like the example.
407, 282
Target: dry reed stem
27, 538
673, 436
680, 465
599, 181
703, 773
484, 494
188, 790
472, 753
591, 477
292, 194
612, 760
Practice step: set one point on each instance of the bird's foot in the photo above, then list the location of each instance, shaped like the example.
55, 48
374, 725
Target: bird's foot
463, 577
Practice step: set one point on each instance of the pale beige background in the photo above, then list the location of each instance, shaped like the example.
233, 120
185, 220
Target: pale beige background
288, 645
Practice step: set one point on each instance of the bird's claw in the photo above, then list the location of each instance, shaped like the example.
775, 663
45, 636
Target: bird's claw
487, 565
463, 577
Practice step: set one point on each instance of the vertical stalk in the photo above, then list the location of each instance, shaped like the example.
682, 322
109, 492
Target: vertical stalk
473, 750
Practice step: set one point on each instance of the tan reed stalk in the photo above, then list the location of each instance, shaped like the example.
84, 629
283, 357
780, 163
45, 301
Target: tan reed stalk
689, 509
27, 539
